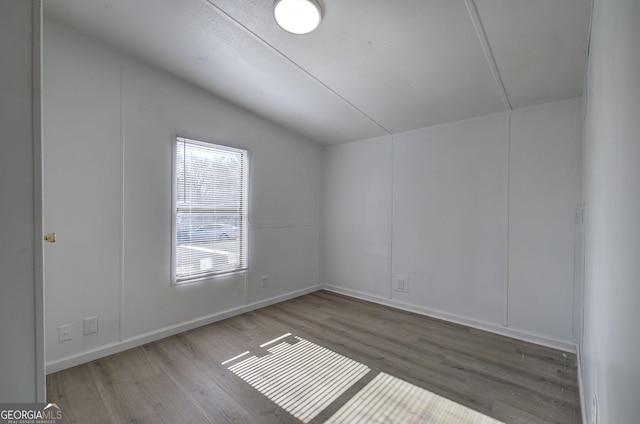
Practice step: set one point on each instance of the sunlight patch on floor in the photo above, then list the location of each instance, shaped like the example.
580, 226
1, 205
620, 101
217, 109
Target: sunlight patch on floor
302, 378
387, 399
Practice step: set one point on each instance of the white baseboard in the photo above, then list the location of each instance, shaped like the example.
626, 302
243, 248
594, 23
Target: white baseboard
110, 349
469, 322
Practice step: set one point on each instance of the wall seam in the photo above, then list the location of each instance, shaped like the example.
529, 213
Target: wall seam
122, 214
505, 322
391, 218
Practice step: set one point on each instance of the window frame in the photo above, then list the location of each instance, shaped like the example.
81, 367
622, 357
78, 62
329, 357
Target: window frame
244, 216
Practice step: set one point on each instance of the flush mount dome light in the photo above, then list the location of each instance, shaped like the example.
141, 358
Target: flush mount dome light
297, 16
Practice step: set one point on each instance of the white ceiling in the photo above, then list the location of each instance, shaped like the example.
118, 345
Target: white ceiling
373, 67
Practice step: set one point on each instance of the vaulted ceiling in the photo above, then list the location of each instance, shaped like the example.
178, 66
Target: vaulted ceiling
372, 68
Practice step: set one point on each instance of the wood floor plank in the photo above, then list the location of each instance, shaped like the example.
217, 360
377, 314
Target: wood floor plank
75, 392
183, 378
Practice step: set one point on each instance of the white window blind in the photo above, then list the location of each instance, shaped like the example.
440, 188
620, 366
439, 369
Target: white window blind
210, 210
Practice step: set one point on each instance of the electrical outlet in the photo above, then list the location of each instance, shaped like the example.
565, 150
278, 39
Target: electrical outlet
90, 325
64, 333
265, 281
401, 284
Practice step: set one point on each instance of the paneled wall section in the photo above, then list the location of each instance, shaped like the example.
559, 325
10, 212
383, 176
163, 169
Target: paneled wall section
479, 215
109, 126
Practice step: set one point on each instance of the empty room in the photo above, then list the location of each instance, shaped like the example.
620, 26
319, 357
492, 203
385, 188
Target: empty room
320, 211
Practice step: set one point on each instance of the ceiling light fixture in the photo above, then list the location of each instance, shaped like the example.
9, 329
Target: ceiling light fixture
297, 16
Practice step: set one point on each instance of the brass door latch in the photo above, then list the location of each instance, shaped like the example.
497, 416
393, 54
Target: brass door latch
51, 237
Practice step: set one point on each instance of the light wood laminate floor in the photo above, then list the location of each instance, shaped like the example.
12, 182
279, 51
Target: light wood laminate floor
182, 379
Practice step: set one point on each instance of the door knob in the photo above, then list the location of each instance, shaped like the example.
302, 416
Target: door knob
51, 237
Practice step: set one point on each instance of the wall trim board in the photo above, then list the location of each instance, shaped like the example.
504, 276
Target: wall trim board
38, 199
505, 305
123, 205
458, 319
139, 340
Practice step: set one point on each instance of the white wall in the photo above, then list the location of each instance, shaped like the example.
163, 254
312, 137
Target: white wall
449, 217
109, 123
544, 196
356, 205
22, 351
478, 214
611, 346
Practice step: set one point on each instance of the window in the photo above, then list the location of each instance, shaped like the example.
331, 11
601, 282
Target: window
210, 214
